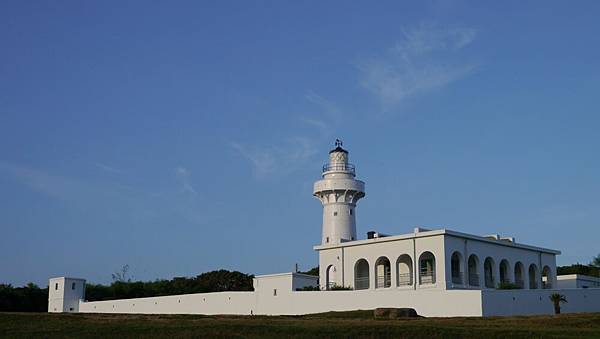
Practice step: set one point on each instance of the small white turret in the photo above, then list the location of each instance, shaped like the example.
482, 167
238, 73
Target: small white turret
339, 191
64, 294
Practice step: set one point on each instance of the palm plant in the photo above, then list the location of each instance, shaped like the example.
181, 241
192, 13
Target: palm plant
556, 299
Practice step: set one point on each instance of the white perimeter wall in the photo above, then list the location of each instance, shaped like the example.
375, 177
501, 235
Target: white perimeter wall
199, 303
528, 302
431, 303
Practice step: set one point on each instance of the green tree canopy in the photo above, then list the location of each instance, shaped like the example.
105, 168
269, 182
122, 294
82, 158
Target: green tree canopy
596, 261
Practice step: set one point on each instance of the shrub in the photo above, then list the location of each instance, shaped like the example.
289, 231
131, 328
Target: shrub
309, 288
508, 286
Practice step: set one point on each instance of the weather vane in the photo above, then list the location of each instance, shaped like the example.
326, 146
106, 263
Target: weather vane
338, 143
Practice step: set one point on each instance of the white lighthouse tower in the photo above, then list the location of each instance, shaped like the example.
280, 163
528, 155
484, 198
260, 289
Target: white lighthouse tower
339, 191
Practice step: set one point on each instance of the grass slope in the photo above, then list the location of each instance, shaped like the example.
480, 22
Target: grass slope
358, 324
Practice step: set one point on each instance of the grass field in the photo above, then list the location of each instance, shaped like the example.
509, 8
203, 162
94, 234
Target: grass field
359, 324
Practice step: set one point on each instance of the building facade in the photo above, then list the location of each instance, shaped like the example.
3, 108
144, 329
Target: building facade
436, 259
425, 259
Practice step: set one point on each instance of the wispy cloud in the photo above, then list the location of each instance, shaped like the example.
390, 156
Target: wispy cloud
109, 169
295, 151
326, 117
280, 159
425, 58
136, 203
261, 159
326, 107
53, 186
301, 149
183, 175
319, 124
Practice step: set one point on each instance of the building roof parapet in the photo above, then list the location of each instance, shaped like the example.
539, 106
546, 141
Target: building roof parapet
422, 233
69, 278
273, 275
578, 277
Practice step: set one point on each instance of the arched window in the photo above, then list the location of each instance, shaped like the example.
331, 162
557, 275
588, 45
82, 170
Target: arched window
546, 277
331, 277
473, 270
455, 268
519, 275
427, 268
361, 275
504, 269
383, 274
533, 277
404, 268
488, 270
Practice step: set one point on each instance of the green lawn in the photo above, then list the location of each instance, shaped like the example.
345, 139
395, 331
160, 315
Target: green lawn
345, 324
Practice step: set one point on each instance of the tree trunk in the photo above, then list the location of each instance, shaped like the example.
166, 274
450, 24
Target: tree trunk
556, 309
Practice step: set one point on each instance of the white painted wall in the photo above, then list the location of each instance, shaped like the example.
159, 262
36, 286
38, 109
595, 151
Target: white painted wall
426, 303
530, 302
277, 286
345, 256
497, 251
442, 244
577, 281
430, 303
64, 294
200, 303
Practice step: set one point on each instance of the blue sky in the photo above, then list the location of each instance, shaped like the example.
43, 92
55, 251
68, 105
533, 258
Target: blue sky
181, 137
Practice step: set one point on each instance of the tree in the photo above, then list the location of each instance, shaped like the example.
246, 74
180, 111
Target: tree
308, 288
312, 271
578, 269
596, 261
29, 298
556, 299
122, 275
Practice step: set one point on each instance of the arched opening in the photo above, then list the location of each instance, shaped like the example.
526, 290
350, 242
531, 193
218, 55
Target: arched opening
533, 277
519, 273
427, 268
504, 269
455, 268
404, 267
546, 277
361, 275
331, 277
383, 274
473, 270
488, 271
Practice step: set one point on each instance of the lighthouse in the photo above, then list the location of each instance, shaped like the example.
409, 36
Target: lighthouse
339, 192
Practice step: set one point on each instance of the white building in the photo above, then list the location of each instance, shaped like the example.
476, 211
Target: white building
431, 271
577, 281
425, 259
64, 294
